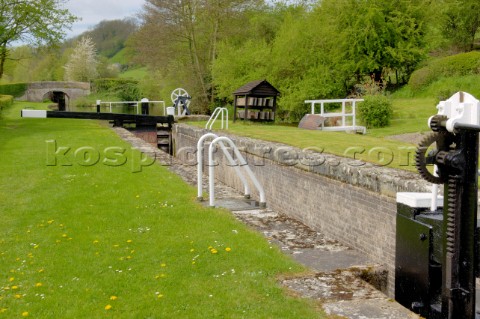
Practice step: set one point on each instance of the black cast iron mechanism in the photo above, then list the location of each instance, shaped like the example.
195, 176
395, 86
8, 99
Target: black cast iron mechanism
437, 248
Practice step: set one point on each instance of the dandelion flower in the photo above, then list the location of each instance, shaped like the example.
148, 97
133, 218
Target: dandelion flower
14, 287
25, 314
163, 265
18, 296
38, 284
129, 241
11, 279
113, 298
64, 235
227, 249
214, 251
50, 221
192, 250
95, 241
108, 307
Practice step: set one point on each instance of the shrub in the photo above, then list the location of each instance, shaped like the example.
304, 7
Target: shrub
375, 111
455, 65
14, 89
5, 101
125, 89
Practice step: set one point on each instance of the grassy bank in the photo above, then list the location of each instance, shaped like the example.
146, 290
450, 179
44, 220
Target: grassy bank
82, 238
410, 116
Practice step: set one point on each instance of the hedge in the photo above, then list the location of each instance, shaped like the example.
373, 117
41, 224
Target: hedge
455, 65
5, 101
375, 111
125, 89
14, 89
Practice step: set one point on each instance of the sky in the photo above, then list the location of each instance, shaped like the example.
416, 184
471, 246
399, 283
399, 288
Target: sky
94, 11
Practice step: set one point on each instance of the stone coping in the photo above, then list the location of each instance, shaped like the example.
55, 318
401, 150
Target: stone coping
383, 180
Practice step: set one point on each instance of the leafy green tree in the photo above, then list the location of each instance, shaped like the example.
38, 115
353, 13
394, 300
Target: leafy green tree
82, 64
36, 22
370, 36
462, 22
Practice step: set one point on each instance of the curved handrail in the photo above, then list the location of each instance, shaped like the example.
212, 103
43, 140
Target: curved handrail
242, 162
229, 158
214, 117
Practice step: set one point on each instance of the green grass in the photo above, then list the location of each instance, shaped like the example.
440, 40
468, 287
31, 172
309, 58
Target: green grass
410, 116
136, 74
76, 240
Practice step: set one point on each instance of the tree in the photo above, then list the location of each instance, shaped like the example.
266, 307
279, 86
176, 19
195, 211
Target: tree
31, 21
82, 65
370, 36
180, 38
462, 22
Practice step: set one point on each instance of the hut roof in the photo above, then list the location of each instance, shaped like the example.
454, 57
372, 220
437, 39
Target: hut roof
258, 87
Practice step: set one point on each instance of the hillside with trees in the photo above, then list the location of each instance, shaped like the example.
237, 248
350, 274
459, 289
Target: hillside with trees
307, 49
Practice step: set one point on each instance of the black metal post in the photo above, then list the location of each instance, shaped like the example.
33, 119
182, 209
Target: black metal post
460, 216
98, 106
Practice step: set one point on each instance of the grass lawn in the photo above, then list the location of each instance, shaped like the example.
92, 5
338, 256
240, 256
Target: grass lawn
100, 241
410, 116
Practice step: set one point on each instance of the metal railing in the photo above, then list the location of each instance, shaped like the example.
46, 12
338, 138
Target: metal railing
344, 126
241, 162
214, 116
137, 104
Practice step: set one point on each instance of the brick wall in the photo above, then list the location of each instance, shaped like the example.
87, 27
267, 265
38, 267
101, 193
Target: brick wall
350, 202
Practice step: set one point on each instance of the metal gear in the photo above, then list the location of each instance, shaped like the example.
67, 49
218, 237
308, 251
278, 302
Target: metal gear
422, 159
437, 123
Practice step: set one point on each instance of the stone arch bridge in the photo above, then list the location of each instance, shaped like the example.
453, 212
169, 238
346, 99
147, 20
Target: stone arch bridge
58, 92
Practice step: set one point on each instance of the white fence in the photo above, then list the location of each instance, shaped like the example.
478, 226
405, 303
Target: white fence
136, 103
348, 118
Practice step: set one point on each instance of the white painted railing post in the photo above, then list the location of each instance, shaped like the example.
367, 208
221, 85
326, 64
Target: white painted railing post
242, 162
214, 117
229, 159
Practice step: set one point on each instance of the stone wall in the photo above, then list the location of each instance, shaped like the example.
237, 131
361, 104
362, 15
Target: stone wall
350, 201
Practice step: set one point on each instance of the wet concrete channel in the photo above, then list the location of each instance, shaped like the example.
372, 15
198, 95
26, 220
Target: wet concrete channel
343, 280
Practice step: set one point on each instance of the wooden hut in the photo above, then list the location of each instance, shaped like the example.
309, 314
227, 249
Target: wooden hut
255, 101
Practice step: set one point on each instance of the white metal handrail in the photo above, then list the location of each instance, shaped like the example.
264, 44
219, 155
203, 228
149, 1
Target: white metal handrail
214, 117
343, 114
138, 103
229, 158
242, 162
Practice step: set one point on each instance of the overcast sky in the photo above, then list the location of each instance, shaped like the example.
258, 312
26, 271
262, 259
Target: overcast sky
94, 11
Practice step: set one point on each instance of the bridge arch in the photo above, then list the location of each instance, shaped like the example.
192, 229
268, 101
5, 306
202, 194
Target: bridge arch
39, 91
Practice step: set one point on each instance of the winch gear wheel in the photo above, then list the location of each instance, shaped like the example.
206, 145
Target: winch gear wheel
421, 157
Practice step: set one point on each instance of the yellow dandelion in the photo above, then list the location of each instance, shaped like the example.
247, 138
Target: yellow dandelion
108, 307
163, 265
113, 298
214, 251
129, 257
64, 235
11, 279
41, 270
18, 296
129, 241
227, 249
50, 221
95, 241
25, 314
137, 196
14, 287
38, 284
192, 250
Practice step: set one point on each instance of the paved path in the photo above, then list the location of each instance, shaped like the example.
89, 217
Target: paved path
335, 270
